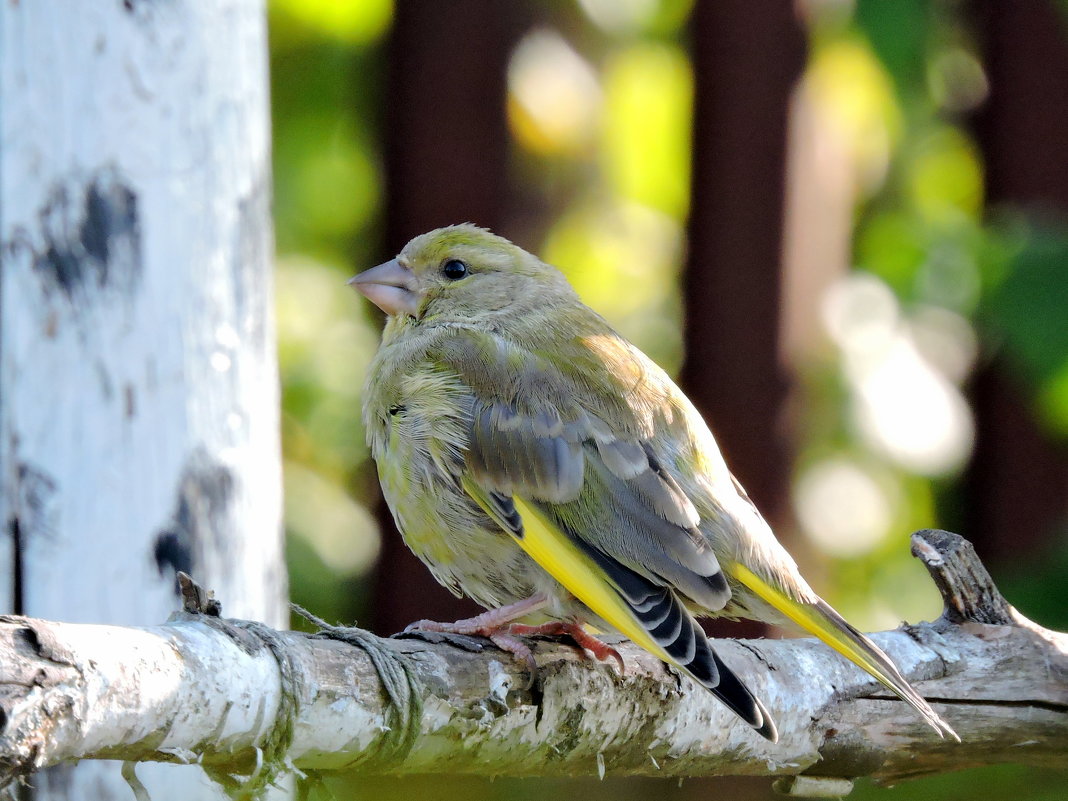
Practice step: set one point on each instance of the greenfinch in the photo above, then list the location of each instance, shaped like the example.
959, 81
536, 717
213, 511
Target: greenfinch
539, 463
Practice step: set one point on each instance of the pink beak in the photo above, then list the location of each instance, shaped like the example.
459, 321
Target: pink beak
390, 286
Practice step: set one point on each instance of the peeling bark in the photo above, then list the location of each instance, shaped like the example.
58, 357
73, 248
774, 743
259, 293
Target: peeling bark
139, 409
205, 689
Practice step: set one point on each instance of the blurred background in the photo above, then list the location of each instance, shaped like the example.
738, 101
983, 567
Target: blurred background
842, 224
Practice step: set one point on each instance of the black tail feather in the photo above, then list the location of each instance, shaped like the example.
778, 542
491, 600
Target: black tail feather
737, 697
660, 613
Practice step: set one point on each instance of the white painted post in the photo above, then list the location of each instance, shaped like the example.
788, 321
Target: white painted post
138, 382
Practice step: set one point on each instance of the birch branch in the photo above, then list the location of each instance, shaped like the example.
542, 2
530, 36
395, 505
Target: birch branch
240, 698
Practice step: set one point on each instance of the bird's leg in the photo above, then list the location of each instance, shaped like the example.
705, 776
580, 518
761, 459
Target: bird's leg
490, 622
498, 626
583, 639
495, 625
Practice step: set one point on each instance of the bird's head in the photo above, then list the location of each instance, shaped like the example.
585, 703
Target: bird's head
461, 272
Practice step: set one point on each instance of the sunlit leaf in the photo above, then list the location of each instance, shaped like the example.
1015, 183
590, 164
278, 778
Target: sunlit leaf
328, 187
892, 246
648, 108
633, 16
554, 99
944, 176
350, 21
342, 532
853, 92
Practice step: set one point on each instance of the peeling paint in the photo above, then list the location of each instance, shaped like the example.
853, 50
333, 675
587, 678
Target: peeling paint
36, 506
500, 682
90, 239
204, 494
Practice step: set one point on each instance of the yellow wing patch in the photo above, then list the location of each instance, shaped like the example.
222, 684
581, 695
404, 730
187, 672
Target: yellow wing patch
562, 559
565, 562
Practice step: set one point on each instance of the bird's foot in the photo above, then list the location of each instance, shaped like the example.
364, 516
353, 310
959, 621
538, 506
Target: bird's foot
583, 639
490, 620
494, 625
486, 625
498, 627
464, 642
506, 636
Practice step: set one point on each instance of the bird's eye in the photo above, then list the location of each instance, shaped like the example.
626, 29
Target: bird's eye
454, 269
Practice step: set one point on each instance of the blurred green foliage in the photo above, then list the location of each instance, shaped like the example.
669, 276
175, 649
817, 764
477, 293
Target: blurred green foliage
326, 67
600, 107
1026, 308
995, 782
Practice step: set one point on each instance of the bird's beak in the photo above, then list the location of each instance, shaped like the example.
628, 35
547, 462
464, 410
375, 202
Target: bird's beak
390, 286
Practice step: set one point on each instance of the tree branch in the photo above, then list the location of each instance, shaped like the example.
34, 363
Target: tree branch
205, 689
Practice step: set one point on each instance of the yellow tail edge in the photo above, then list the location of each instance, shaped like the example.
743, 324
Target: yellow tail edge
837, 634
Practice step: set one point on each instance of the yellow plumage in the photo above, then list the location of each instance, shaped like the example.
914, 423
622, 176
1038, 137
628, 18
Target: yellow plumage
553, 551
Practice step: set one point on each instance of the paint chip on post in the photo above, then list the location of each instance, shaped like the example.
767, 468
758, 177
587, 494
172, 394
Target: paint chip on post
813, 786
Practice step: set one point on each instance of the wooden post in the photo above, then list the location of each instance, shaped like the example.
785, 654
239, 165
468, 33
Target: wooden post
138, 382
1023, 133
747, 58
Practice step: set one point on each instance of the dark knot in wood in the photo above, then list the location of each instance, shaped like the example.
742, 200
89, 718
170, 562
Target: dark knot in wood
195, 599
967, 590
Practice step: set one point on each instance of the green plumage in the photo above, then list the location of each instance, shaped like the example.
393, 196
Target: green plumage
496, 389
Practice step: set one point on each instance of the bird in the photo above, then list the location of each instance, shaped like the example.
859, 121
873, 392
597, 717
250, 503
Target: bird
539, 463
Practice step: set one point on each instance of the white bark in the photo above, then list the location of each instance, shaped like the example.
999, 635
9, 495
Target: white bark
139, 420
195, 686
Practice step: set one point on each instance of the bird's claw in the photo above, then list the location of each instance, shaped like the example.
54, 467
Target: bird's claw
513, 645
468, 635
464, 642
601, 651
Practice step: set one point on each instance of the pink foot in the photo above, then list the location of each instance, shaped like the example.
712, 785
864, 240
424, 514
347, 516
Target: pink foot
583, 639
495, 625
498, 627
491, 620
515, 646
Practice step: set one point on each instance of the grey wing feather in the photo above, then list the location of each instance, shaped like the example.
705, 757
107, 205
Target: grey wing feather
509, 454
611, 493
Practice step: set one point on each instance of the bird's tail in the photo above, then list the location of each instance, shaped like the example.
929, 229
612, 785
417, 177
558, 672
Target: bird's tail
820, 619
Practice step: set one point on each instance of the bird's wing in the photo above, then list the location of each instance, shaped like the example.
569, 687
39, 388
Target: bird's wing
592, 504
611, 495
563, 436
645, 611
